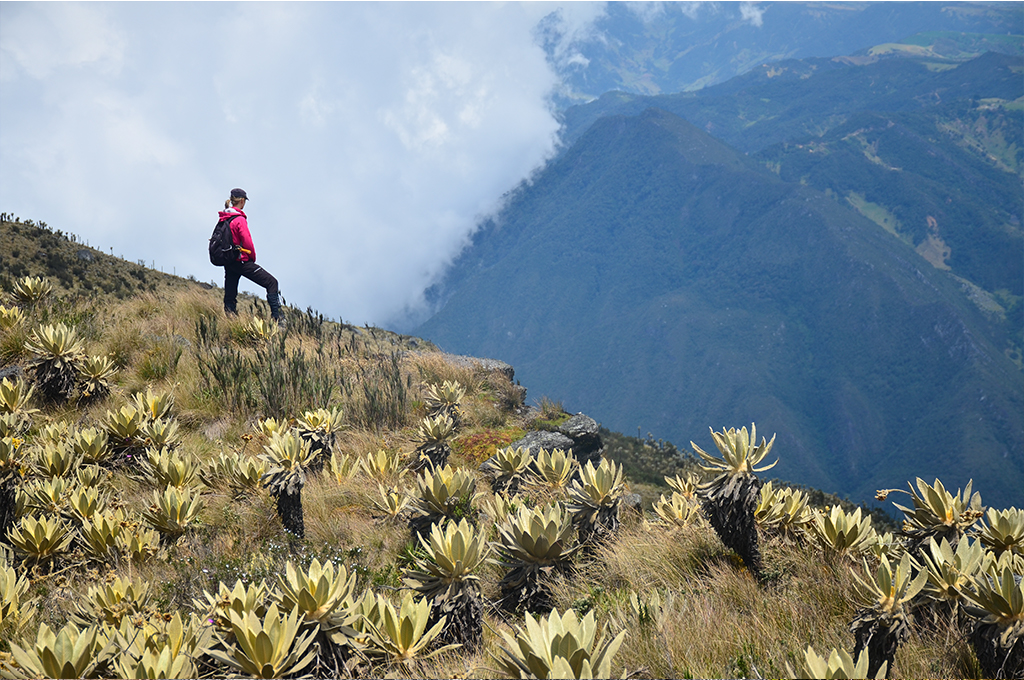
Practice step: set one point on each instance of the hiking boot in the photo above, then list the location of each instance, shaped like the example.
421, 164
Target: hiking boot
274, 300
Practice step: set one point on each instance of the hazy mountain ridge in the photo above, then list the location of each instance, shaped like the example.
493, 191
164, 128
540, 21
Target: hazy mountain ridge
661, 48
774, 103
664, 280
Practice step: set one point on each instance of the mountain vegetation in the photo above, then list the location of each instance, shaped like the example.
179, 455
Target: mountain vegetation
144, 536
949, 131
664, 279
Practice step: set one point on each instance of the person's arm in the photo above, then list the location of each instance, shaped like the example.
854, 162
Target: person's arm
242, 238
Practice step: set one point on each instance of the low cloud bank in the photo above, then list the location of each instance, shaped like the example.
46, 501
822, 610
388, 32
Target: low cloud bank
370, 137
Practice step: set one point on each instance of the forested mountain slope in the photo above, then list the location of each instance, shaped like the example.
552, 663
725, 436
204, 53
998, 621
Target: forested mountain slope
653, 276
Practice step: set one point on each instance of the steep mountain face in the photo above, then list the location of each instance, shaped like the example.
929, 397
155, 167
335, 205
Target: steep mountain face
652, 276
932, 152
921, 176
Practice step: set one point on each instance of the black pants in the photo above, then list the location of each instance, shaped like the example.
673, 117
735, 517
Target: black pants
255, 273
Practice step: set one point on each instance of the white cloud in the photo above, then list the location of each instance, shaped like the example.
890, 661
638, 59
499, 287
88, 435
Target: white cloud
691, 9
752, 13
371, 136
647, 11
54, 36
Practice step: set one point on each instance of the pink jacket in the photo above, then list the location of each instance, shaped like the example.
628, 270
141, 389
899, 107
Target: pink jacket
240, 233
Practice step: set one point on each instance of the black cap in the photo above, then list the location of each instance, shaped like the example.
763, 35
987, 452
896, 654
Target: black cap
239, 193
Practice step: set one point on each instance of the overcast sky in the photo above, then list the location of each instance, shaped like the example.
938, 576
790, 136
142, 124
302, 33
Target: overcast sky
371, 137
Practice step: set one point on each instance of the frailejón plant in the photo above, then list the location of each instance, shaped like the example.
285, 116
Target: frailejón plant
730, 499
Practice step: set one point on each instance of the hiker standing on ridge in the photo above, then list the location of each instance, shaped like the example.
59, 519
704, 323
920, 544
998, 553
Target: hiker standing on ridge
240, 258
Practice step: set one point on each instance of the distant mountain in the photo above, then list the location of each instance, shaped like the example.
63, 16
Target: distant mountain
932, 152
653, 276
659, 48
947, 181
775, 103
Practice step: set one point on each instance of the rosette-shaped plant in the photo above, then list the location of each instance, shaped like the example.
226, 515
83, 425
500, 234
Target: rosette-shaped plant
730, 499
240, 599
100, 533
56, 460
783, 512
502, 507
1003, 530
677, 511
688, 487
949, 571
433, 439
259, 331
444, 400
883, 621
553, 470
47, 496
174, 511
320, 428
839, 664
91, 444
40, 540
167, 468
507, 468
124, 432
938, 513
594, 500
344, 466
402, 635
384, 466
57, 356
269, 426
227, 470
996, 596
267, 646
12, 460
10, 318
30, 290
69, 653
318, 593
153, 405
84, 503
559, 646
534, 545
843, 534
137, 543
392, 502
16, 609
108, 603
16, 397
14, 424
443, 494
287, 459
445, 577
160, 433
159, 648
95, 374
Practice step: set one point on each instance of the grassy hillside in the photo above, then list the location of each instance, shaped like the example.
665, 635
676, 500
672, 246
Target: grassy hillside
151, 582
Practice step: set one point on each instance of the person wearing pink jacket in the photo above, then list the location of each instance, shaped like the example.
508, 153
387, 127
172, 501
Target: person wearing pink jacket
246, 264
